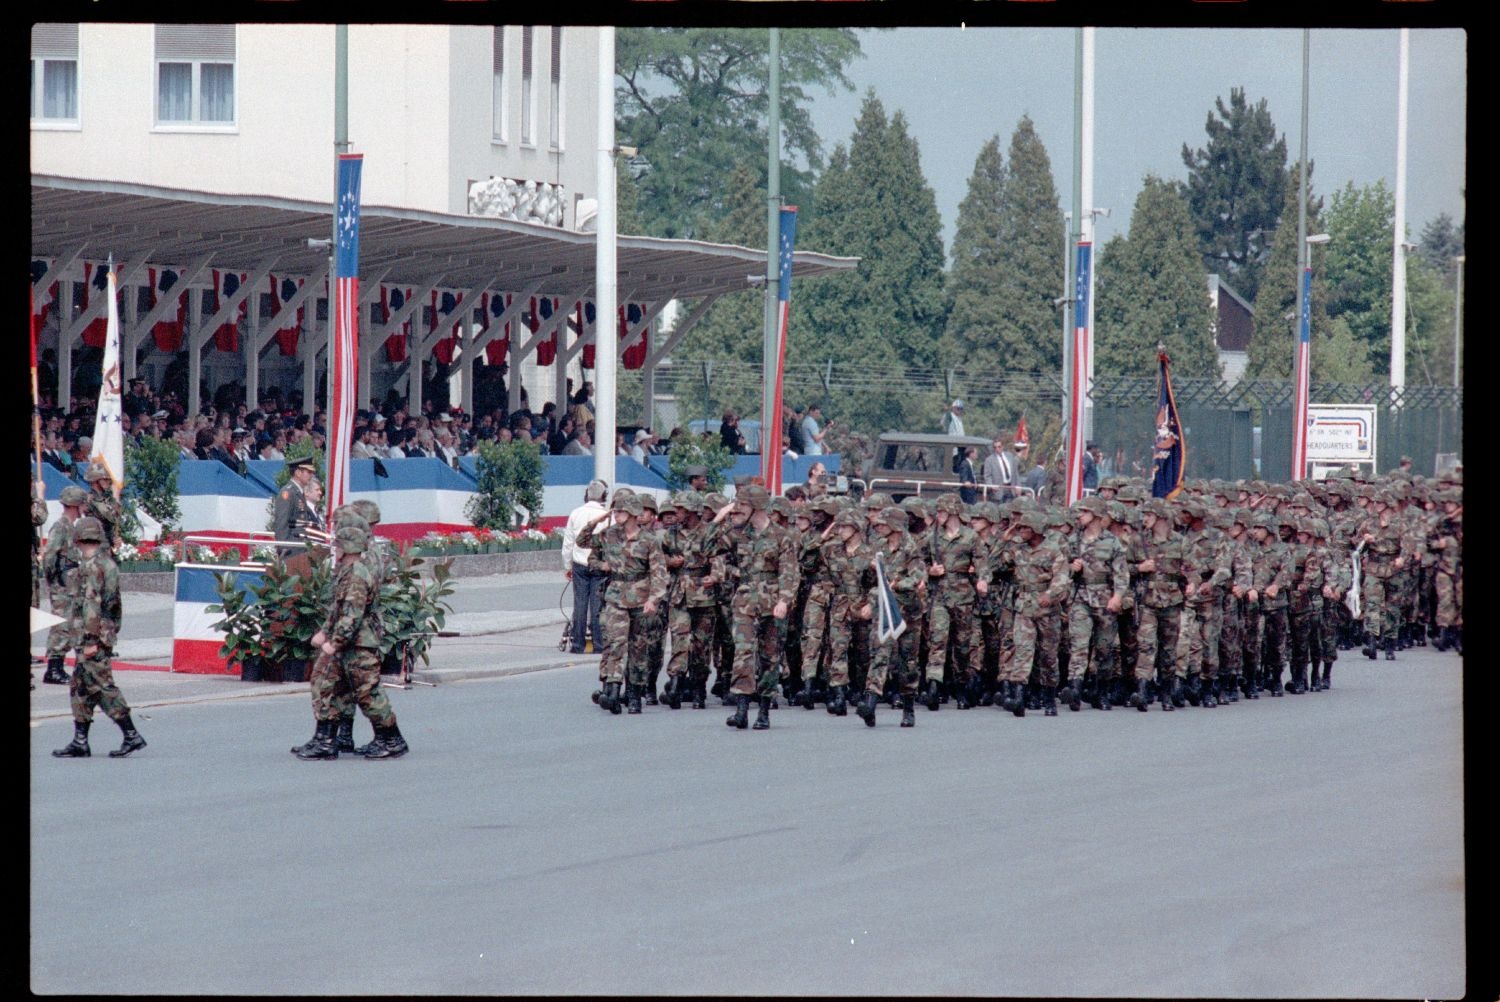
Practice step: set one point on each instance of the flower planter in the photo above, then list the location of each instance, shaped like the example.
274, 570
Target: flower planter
294, 671
251, 670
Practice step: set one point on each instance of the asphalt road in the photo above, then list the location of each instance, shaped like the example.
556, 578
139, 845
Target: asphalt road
1310, 846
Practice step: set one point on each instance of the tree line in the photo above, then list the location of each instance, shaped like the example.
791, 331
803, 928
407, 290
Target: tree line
694, 101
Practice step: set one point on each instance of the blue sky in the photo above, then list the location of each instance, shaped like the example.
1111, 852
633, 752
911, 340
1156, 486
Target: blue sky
1154, 90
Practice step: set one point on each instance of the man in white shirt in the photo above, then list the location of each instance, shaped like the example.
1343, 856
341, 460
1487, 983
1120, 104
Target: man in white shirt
642, 442
579, 446
812, 435
953, 423
588, 586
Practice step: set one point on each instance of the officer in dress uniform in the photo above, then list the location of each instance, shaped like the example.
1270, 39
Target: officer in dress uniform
292, 515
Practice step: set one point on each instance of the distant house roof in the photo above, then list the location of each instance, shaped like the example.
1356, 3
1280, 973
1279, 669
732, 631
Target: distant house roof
1235, 318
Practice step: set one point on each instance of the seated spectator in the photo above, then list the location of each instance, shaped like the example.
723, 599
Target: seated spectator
579, 445
363, 446
275, 448
557, 442
203, 443
621, 449
446, 449
642, 444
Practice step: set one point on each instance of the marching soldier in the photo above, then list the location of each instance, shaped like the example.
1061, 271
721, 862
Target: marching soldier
353, 635
658, 520
1304, 604
1208, 568
103, 504
849, 564
637, 589
1265, 633
723, 639
59, 560
691, 612
1103, 580
1161, 610
814, 595
767, 561
38, 519
1043, 577
906, 575
291, 514
1231, 635
953, 572
93, 626
1383, 561
1446, 580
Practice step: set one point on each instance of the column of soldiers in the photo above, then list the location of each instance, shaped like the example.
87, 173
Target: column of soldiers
1227, 592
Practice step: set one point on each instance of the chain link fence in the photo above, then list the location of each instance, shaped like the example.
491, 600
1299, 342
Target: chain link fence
1233, 430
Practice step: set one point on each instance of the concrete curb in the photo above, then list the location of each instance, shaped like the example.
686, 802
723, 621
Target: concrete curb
441, 676
282, 689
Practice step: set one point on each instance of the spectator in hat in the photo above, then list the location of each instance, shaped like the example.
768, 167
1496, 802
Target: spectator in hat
697, 478
953, 422
642, 444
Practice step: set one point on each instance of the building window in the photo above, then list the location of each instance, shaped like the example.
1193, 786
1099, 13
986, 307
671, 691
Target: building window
528, 96
554, 93
499, 85
195, 74
54, 73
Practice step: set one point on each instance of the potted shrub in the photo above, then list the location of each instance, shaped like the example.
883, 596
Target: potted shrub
412, 609
244, 629
295, 607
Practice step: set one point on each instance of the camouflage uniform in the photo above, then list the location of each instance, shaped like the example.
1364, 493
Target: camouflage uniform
1305, 607
814, 597
1092, 628
1207, 565
1381, 602
354, 629
1232, 631
638, 574
93, 626
103, 505
690, 618
1265, 630
38, 519
905, 572
1161, 610
1446, 580
59, 560
852, 575
767, 561
1043, 578
960, 555
656, 623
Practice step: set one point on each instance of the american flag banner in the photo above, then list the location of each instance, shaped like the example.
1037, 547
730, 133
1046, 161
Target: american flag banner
343, 366
1082, 344
109, 434
1169, 453
770, 425
1299, 405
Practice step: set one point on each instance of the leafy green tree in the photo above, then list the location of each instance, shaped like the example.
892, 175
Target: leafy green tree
1027, 331
1440, 243
1236, 189
731, 329
1429, 325
1358, 262
874, 203
151, 466
1273, 346
627, 201
706, 451
977, 267
695, 102
1152, 290
509, 482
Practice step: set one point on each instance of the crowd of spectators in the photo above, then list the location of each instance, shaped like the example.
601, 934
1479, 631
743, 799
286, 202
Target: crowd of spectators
233, 433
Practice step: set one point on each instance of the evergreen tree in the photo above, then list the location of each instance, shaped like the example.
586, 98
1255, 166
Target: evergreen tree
1236, 188
977, 267
1027, 329
1441, 242
1152, 290
1429, 325
695, 102
874, 203
1273, 346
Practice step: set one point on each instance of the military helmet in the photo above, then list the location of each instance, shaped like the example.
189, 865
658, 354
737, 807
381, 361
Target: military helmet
913, 505
878, 500
781, 506
1160, 507
351, 539
346, 514
669, 505
1118, 511
622, 494
96, 471
849, 520
367, 510
1037, 521
689, 500
714, 502
88, 530
1319, 527
892, 518
754, 495
1024, 504
648, 501
1094, 505
950, 504
74, 497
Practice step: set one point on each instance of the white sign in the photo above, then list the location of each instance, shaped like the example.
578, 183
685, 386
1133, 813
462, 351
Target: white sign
1341, 434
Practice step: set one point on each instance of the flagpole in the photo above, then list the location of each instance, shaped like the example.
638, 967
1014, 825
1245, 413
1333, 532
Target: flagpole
1301, 358
36, 397
606, 321
340, 145
771, 374
1398, 250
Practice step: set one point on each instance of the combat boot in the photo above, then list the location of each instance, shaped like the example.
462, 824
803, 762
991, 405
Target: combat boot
1419, 634
810, 694
309, 743
79, 746
633, 698
1206, 697
866, 708
837, 703
1390, 649
1369, 648
388, 743
611, 698
55, 674
1458, 640
672, 694
1033, 696
1018, 699
1007, 696
1229, 690
908, 710
1314, 682
1049, 700
961, 696
720, 687
1440, 639
741, 716
934, 697
344, 734
1104, 694
650, 691
1193, 691
368, 746
763, 719
323, 745
1327, 682
700, 694
1141, 698
1295, 684
133, 741
1073, 694
1276, 689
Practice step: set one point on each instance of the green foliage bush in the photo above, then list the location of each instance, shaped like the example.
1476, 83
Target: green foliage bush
510, 482
693, 450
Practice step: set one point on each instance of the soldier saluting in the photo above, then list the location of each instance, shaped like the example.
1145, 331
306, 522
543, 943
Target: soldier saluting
292, 515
